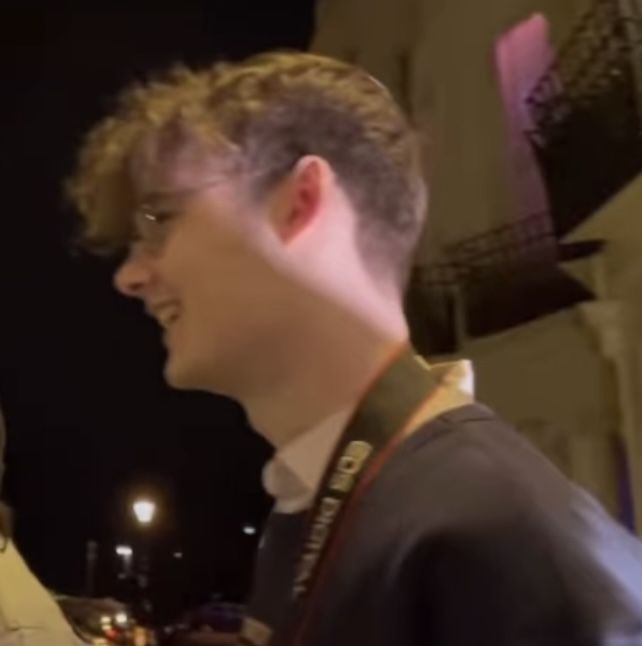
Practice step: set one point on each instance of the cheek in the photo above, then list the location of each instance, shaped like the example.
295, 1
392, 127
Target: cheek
231, 307
222, 280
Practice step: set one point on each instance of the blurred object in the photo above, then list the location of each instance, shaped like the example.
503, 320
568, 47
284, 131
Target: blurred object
28, 613
202, 637
249, 530
143, 637
99, 621
219, 616
91, 557
6, 523
126, 554
213, 623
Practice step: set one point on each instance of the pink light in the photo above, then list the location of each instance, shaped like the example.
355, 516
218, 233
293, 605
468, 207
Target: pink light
523, 55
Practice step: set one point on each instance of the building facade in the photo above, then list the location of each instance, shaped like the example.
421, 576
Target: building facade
531, 265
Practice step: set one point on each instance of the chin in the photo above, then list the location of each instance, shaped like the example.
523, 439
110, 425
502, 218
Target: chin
179, 376
183, 375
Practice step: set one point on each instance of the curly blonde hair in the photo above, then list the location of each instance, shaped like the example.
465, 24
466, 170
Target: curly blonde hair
258, 117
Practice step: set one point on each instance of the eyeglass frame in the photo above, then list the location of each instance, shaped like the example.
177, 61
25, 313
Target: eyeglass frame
145, 215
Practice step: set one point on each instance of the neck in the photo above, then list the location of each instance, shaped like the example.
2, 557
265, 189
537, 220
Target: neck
327, 373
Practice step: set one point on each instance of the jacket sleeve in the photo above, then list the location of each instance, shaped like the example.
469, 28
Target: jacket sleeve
521, 579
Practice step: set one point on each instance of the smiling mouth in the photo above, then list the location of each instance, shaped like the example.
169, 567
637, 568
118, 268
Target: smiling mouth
166, 316
167, 320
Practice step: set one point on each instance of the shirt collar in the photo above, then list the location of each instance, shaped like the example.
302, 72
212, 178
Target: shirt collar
297, 468
294, 474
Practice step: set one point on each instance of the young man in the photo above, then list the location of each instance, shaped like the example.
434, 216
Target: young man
270, 209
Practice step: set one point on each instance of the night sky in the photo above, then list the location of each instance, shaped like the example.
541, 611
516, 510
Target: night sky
90, 421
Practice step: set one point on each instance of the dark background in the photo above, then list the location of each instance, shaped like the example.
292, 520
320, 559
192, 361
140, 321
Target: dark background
90, 421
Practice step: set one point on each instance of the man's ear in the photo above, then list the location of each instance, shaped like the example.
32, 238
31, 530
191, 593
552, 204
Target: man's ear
300, 197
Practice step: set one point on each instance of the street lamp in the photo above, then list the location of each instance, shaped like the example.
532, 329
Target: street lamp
124, 550
144, 510
126, 553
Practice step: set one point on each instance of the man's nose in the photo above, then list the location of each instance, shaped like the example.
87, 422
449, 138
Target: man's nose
133, 276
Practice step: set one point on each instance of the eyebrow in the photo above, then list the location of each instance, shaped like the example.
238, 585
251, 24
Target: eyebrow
157, 195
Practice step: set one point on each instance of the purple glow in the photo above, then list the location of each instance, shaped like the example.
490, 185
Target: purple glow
522, 55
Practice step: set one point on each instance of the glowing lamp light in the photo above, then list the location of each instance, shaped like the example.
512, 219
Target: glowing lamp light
121, 618
124, 550
144, 510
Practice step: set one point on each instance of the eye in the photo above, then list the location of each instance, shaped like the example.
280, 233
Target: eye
158, 216
149, 222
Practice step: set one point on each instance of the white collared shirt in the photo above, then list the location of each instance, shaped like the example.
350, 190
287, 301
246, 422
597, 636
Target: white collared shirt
293, 476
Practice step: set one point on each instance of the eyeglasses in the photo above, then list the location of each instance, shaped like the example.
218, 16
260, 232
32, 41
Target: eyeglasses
151, 226
151, 222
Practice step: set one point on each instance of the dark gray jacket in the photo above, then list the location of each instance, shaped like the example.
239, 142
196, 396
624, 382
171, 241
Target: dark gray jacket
468, 537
